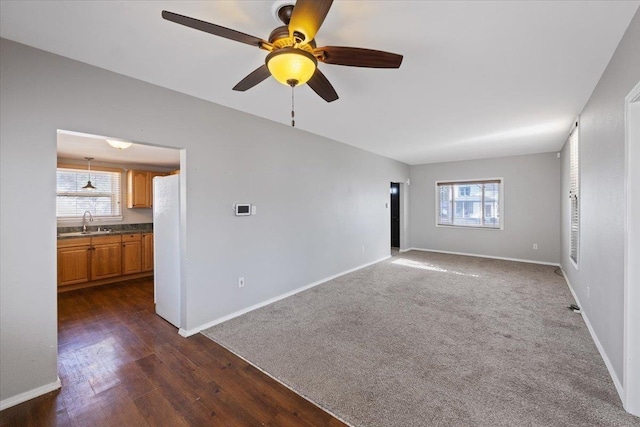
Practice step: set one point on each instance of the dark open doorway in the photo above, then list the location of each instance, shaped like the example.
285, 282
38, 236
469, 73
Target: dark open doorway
395, 215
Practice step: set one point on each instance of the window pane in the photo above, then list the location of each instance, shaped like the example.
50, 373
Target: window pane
469, 204
492, 204
444, 209
574, 194
72, 200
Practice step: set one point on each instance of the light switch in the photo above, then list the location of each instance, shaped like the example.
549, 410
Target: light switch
253, 209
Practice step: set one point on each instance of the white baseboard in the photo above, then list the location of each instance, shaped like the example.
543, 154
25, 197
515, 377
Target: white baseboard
189, 332
530, 261
28, 395
603, 354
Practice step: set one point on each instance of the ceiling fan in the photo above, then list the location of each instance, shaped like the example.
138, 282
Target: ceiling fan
293, 56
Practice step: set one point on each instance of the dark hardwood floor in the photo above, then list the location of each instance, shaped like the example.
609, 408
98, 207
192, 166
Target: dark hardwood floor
122, 365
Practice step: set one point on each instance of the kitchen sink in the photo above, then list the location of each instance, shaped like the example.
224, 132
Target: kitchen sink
87, 233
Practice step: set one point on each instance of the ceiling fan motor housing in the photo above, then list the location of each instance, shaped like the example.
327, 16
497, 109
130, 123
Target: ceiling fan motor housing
280, 38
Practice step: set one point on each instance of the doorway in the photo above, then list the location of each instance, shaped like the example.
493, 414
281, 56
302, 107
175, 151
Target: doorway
394, 202
105, 233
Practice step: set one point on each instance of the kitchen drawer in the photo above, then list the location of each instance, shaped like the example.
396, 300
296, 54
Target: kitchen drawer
99, 240
132, 237
81, 241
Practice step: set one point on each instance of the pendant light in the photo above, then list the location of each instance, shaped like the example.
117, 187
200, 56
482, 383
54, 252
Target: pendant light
89, 186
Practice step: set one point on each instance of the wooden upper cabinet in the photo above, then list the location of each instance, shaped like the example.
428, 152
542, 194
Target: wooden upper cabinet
151, 176
140, 188
147, 252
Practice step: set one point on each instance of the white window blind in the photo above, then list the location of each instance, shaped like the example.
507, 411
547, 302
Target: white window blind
475, 203
72, 200
574, 193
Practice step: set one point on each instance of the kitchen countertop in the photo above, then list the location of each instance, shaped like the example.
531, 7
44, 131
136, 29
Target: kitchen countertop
114, 230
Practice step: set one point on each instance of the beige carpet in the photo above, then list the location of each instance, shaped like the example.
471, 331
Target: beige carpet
425, 339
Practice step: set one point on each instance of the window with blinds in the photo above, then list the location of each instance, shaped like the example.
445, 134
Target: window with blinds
72, 200
474, 203
574, 194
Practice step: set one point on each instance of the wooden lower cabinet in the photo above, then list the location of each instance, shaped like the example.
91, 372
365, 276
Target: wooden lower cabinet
73, 261
89, 261
106, 257
131, 253
147, 251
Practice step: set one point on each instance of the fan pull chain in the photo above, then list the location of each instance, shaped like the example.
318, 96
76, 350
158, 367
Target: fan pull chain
293, 114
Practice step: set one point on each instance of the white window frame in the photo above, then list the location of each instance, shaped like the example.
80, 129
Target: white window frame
574, 192
98, 218
471, 181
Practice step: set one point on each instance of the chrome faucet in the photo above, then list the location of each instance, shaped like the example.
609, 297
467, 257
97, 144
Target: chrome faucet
84, 220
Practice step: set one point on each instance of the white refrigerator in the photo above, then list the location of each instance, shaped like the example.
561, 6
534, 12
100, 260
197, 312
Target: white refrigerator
166, 247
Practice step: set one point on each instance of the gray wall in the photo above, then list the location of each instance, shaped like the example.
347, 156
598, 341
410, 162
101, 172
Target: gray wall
318, 201
599, 282
531, 211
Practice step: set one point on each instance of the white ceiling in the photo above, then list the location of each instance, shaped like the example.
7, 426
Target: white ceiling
73, 145
479, 79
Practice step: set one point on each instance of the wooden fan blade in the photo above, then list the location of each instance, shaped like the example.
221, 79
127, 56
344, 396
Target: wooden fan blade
257, 76
307, 17
322, 87
214, 29
357, 57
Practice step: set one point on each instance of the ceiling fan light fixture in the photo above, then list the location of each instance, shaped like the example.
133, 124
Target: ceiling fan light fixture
120, 145
290, 64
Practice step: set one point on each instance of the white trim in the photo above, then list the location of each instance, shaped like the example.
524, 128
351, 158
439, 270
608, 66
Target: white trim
28, 395
530, 261
189, 332
472, 227
631, 399
595, 339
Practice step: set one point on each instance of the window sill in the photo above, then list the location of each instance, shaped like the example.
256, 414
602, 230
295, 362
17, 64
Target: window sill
471, 227
575, 264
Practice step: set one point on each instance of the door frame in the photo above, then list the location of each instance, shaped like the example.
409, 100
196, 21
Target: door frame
400, 210
631, 344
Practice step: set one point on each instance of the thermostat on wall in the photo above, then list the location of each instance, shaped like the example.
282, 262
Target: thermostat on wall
243, 209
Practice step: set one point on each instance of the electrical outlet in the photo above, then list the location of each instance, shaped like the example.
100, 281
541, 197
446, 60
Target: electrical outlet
241, 282
535, 246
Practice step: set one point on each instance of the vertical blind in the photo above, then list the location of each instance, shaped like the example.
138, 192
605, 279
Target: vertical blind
574, 193
469, 203
72, 200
